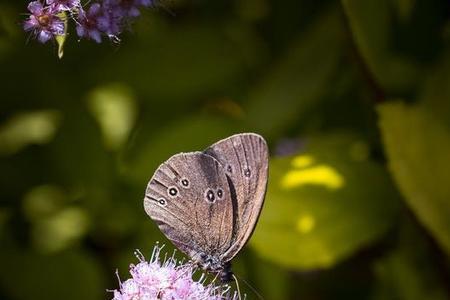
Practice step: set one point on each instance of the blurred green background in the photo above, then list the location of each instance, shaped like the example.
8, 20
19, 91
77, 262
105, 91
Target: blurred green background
352, 96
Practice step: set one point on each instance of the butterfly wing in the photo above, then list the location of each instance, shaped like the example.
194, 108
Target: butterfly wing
245, 160
189, 198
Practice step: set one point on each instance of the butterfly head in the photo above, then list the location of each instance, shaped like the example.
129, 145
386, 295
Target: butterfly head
213, 264
210, 262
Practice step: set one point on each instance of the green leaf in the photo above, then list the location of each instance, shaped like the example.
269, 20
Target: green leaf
435, 92
417, 145
371, 24
270, 280
298, 80
61, 39
274, 282
408, 272
31, 276
324, 204
404, 8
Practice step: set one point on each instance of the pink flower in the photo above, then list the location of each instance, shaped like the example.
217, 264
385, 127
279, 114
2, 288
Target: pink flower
168, 279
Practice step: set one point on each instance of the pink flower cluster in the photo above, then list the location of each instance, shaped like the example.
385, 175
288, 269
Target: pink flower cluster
168, 279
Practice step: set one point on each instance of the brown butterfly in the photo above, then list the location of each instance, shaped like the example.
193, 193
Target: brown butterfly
208, 203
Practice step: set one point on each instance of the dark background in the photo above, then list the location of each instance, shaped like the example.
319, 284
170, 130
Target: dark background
352, 97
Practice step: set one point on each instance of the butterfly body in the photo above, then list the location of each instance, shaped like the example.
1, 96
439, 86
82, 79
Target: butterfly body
207, 203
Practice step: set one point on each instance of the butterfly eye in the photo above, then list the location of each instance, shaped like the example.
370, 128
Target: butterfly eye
229, 169
185, 182
173, 191
210, 195
219, 193
162, 202
247, 172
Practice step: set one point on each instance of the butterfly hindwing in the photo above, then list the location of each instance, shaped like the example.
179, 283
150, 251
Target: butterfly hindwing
245, 160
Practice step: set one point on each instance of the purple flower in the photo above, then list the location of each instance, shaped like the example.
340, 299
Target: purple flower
146, 3
111, 20
127, 8
49, 18
130, 8
43, 22
88, 23
167, 279
64, 4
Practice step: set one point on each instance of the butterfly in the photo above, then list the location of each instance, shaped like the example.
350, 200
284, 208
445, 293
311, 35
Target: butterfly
208, 203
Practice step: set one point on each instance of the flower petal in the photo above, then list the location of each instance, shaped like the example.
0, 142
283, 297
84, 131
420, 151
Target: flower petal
57, 27
81, 31
44, 36
35, 7
30, 23
95, 35
95, 9
133, 12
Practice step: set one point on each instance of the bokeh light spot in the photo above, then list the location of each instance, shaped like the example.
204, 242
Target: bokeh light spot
306, 224
114, 108
61, 230
42, 201
323, 175
302, 161
23, 129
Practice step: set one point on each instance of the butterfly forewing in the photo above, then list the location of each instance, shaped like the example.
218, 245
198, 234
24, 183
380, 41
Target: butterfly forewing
244, 158
190, 200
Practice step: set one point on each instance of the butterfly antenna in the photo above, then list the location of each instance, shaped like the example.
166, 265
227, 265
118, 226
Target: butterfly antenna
251, 287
